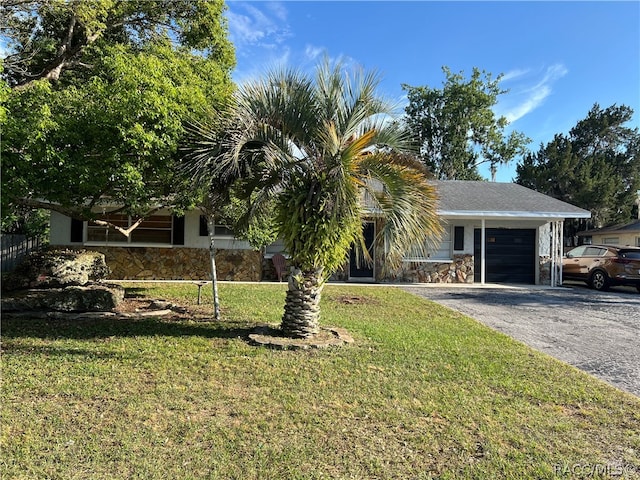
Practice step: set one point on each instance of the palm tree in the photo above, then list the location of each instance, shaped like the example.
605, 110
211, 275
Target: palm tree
318, 146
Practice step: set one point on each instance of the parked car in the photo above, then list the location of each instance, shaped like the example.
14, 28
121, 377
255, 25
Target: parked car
602, 266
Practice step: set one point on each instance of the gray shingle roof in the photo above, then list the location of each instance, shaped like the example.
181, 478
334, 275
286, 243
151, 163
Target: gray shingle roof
619, 228
496, 199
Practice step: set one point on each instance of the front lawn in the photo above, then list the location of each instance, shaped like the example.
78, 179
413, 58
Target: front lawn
423, 393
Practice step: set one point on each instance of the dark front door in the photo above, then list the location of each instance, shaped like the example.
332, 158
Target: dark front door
359, 269
509, 255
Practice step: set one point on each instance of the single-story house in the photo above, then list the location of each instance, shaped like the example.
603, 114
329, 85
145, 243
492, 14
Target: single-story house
494, 232
621, 234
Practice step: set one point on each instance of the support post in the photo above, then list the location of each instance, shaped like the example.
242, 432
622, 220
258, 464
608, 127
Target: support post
483, 263
561, 249
553, 254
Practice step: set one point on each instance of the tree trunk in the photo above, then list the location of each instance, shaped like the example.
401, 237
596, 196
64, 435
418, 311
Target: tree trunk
302, 304
214, 276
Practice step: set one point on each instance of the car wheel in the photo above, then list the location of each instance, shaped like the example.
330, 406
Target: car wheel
599, 280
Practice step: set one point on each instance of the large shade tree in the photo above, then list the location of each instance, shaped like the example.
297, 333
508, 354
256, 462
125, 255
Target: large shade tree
595, 166
456, 128
323, 151
95, 95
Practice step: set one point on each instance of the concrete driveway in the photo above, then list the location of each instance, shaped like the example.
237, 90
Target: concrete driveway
598, 332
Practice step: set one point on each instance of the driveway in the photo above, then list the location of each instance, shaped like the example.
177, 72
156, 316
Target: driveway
598, 332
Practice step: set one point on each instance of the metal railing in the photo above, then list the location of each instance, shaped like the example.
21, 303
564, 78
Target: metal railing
14, 249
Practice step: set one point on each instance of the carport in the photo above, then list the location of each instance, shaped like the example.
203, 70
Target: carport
515, 234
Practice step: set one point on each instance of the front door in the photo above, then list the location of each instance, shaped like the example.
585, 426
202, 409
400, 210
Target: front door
359, 270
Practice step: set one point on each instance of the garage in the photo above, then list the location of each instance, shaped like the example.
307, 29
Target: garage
510, 255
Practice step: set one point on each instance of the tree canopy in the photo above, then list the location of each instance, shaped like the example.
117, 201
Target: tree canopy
456, 128
596, 166
96, 94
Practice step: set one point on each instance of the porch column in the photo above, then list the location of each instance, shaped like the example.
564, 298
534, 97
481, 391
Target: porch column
482, 253
556, 253
561, 249
553, 257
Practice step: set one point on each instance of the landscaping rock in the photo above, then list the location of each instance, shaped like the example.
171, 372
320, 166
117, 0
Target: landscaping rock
91, 298
57, 268
272, 337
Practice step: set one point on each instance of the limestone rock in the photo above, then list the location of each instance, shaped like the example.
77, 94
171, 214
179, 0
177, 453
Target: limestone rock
91, 298
57, 268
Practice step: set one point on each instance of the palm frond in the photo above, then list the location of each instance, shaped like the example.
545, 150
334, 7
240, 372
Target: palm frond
406, 200
313, 145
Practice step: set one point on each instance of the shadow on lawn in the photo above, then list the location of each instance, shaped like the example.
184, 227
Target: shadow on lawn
86, 329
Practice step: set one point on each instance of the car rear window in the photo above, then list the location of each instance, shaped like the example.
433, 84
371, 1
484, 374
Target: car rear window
630, 254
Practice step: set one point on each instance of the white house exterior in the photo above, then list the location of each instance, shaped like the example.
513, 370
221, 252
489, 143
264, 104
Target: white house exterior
494, 233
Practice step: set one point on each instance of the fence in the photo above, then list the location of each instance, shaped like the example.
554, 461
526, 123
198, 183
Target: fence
14, 248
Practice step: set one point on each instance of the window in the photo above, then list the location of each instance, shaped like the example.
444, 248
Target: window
576, 252
637, 241
594, 252
442, 251
458, 238
157, 229
218, 230
611, 240
104, 234
77, 231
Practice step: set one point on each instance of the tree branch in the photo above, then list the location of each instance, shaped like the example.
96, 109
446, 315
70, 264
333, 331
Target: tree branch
67, 56
79, 213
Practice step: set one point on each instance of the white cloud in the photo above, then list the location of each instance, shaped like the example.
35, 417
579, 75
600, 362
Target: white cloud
242, 29
259, 32
278, 10
311, 52
513, 74
528, 95
250, 26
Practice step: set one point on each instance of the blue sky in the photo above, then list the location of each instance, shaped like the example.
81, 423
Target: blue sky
558, 58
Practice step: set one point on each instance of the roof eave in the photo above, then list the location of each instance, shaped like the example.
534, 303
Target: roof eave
513, 215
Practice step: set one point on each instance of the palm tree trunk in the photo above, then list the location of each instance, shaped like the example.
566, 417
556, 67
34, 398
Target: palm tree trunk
302, 304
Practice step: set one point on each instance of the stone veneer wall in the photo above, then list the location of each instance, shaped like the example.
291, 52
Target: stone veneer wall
460, 270
142, 263
545, 270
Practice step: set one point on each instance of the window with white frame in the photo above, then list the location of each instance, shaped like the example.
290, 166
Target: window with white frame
441, 251
611, 240
223, 231
156, 229
637, 241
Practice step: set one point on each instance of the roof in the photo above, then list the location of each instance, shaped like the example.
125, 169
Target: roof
619, 228
480, 199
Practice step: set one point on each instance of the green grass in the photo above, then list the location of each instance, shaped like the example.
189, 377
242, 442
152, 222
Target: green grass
423, 393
